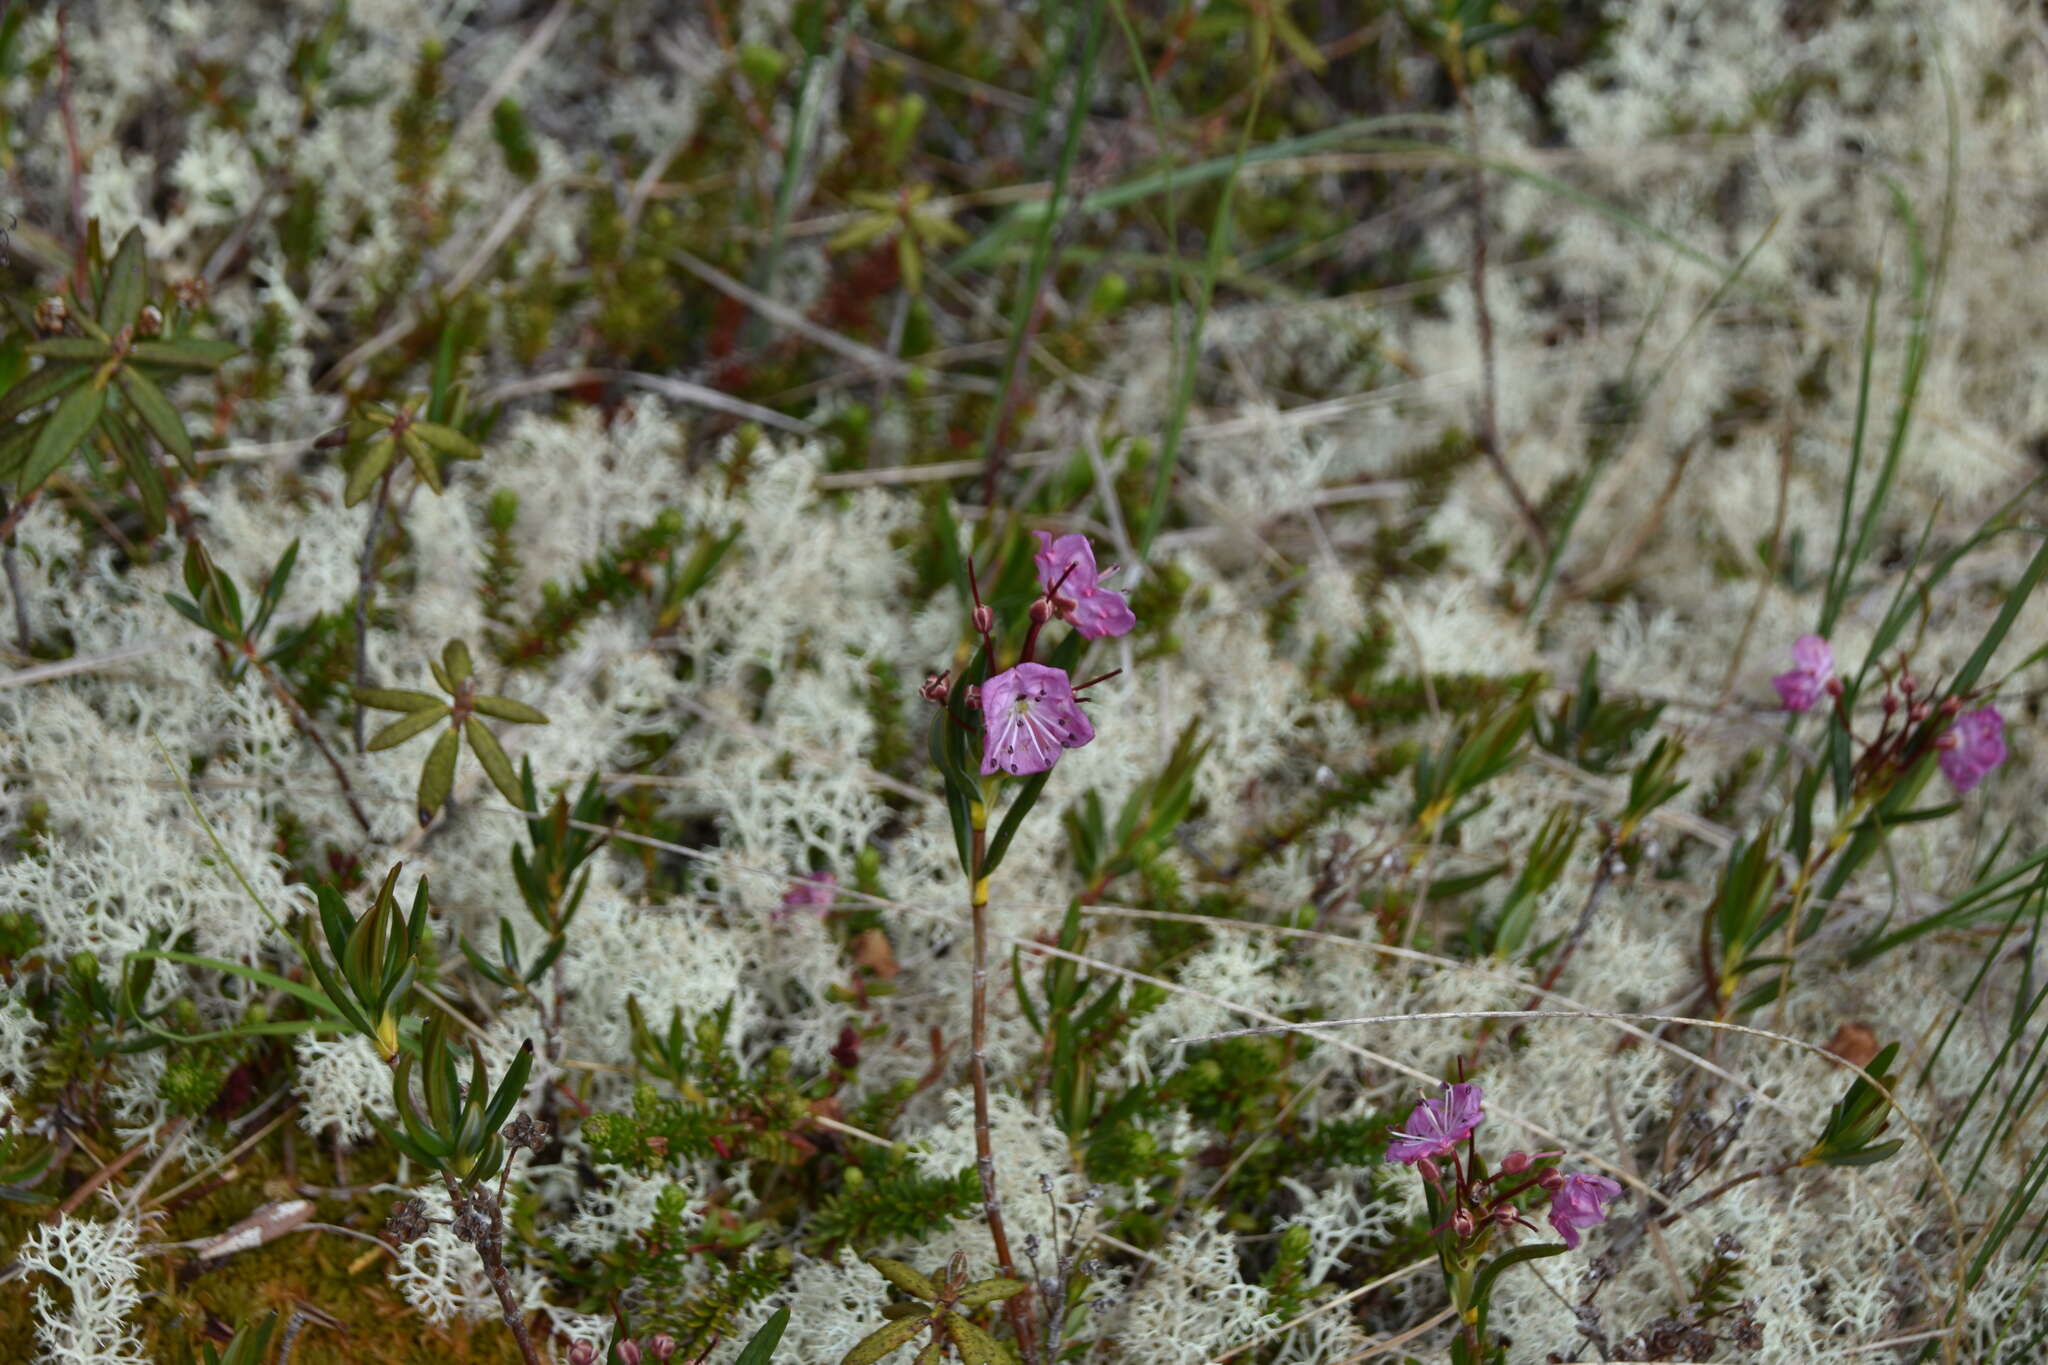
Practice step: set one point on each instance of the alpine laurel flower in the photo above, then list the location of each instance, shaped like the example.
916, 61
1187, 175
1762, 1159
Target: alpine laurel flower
1580, 1201
1439, 1125
1809, 678
1972, 747
1066, 570
1029, 715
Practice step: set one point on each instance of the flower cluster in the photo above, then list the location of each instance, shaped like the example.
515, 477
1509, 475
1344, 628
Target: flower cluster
661, 1346
1031, 712
1968, 746
1480, 1202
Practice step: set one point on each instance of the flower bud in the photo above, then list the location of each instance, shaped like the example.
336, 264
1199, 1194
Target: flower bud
582, 1353
1891, 703
1463, 1223
1041, 612
1429, 1170
1550, 1179
1514, 1163
937, 686
629, 1352
661, 1346
1907, 685
51, 314
984, 619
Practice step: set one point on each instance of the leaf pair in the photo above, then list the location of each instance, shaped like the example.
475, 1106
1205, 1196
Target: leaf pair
375, 959
457, 1131
1849, 1138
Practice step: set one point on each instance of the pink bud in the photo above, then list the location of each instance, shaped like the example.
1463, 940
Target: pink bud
661, 1346
1041, 612
1514, 1163
1550, 1179
582, 1353
1463, 1224
984, 619
629, 1352
1429, 1170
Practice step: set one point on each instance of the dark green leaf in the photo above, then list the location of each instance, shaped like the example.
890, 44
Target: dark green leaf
60, 435
396, 699
125, 284
40, 388
496, 765
448, 441
185, 353
158, 415
761, 1348
71, 348
403, 729
438, 775
504, 708
368, 468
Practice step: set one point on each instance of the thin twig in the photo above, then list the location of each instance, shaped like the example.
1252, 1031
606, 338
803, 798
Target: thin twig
1017, 1307
12, 560
77, 158
306, 727
1489, 415
366, 583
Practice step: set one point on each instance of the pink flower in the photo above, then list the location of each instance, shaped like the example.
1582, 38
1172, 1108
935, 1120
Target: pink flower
813, 890
1972, 747
1067, 563
1440, 1124
1580, 1201
1030, 714
1813, 669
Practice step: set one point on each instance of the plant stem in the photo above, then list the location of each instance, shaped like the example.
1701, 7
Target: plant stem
1489, 416
490, 1250
13, 566
365, 585
1731, 1183
312, 733
1018, 1306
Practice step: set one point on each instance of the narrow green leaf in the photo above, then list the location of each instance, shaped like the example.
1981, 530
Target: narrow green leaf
912, 1282
1013, 818
40, 388
422, 458
397, 699
497, 767
71, 348
306, 995
125, 284
60, 435
448, 441
185, 353
976, 1346
456, 661
883, 1340
504, 708
438, 775
991, 1291
134, 457
403, 729
158, 415
369, 467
